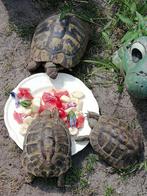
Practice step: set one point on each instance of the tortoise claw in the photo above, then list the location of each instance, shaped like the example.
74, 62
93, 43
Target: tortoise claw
32, 66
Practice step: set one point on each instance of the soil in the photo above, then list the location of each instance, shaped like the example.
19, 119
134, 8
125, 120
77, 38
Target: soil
14, 56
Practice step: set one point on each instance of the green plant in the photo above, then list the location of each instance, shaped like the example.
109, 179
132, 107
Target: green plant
79, 176
108, 191
7, 90
108, 65
85, 10
73, 175
132, 169
90, 162
127, 18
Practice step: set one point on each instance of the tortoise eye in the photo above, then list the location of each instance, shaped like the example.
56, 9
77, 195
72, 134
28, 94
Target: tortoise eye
137, 51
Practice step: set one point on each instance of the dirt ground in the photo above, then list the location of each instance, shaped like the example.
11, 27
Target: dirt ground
14, 53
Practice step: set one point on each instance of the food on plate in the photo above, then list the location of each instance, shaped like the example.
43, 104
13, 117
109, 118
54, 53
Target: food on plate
69, 106
36, 104
78, 94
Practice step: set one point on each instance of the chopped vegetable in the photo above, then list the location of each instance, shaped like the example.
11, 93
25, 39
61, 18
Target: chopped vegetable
25, 103
72, 118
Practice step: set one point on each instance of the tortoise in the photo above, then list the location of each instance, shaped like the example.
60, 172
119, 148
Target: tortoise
58, 43
116, 143
47, 148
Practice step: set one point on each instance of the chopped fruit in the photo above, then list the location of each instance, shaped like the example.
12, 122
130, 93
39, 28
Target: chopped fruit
25, 111
28, 120
65, 98
73, 130
78, 94
24, 93
49, 98
62, 113
59, 94
74, 100
23, 129
36, 104
80, 105
58, 103
65, 106
43, 107
18, 117
69, 107
80, 121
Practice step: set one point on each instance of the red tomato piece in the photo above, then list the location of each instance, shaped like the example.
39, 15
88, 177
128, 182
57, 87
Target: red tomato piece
80, 121
24, 93
18, 117
61, 93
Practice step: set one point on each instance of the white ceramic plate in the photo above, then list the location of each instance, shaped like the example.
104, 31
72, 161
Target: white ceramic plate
38, 83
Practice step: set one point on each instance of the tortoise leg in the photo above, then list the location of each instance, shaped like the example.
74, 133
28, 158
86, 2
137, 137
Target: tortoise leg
51, 70
92, 119
32, 66
60, 181
29, 178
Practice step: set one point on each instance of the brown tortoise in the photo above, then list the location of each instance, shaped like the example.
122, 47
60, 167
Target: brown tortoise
114, 140
47, 148
58, 43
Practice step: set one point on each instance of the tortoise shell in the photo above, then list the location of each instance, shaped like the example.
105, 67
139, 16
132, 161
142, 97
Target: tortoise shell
47, 146
116, 143
61, 41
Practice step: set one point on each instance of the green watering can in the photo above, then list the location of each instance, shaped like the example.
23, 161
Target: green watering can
132, 59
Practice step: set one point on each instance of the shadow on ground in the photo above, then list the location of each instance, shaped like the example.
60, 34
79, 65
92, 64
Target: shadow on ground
25, 15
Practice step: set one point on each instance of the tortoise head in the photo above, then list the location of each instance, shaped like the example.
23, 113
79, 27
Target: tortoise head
133, 61
52, 113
